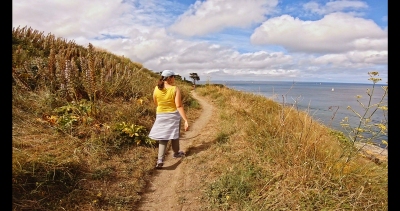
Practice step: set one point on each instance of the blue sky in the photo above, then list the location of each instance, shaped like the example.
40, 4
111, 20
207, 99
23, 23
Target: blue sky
267, 40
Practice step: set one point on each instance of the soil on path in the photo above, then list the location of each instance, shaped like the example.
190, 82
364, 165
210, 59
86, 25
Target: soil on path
176, 186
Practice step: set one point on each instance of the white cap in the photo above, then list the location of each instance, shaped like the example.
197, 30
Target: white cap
167, 73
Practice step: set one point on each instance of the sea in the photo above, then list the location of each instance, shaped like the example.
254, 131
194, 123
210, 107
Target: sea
326, 102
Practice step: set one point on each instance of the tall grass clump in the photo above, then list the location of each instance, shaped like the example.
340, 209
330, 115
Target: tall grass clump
280, 158
80, 120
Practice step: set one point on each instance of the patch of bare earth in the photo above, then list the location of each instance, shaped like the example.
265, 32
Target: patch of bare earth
373, 153
178, 185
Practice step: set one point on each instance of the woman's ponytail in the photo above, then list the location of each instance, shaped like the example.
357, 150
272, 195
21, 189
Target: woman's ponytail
161, 83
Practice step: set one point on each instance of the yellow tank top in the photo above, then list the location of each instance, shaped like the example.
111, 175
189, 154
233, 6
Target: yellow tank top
165, 99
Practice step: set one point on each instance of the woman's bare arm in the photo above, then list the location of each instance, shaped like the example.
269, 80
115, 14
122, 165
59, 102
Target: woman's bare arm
154, 96
179, 106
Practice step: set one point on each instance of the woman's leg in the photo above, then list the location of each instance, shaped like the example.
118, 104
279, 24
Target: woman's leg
175, 145
162, 146
175, 148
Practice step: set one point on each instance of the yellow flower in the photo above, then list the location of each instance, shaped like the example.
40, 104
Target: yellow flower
382, 127
385, 108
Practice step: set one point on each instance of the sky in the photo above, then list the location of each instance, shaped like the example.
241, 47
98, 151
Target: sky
227, 40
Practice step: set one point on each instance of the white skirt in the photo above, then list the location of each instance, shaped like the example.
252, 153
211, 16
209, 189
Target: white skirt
166, 126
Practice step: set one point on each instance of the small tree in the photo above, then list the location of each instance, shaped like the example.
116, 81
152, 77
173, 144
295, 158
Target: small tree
194, 77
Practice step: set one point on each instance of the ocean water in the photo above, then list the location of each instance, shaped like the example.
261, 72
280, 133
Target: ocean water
325, 102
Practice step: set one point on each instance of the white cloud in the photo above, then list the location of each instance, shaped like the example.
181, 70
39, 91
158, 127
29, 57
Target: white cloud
336, 32
70, 18
216, 15
334, 6
157, 33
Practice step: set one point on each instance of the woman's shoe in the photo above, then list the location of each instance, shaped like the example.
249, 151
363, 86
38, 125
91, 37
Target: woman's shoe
159, 164
179, 154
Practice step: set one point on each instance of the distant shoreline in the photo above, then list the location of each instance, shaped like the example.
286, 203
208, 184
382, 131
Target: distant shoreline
311, 82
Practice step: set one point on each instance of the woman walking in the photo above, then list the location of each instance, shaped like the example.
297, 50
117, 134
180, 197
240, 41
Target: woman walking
168, 100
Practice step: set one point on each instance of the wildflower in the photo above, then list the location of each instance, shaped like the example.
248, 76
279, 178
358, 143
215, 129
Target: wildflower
385, 108
373, 73
382, 127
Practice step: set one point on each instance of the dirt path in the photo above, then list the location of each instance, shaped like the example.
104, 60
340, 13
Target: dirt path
175, 186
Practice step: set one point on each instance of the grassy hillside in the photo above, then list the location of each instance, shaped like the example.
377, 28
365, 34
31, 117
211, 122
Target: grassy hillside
80, 119
271, 157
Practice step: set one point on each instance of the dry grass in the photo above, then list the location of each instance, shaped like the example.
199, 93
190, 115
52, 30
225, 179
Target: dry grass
67, 153
272, 157
67, 150
89, 167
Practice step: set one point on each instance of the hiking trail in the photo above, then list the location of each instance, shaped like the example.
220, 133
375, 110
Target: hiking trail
176, 185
